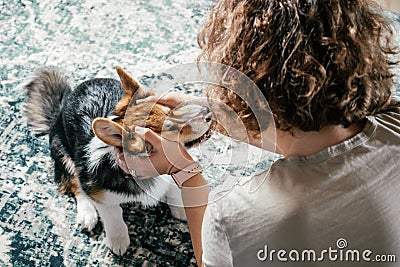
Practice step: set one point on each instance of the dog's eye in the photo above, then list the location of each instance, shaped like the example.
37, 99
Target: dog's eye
169, 125
131, 136
173, 128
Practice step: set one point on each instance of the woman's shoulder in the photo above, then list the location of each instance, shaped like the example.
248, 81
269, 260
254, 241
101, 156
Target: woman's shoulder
390, 118
386, 129
248, 197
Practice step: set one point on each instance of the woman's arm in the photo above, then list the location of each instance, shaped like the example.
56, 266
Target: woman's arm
195, 191
168, 157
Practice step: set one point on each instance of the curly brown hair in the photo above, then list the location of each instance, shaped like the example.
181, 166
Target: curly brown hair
317, 62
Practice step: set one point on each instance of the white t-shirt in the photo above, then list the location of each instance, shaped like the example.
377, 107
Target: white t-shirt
318, 210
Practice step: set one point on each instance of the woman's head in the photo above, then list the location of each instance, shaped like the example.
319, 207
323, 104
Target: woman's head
317, 62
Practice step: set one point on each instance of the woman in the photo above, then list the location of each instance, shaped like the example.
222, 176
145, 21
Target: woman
324, 68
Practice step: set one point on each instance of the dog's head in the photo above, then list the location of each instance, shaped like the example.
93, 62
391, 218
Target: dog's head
188, 125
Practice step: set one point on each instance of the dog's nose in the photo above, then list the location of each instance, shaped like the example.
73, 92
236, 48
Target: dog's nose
208, 117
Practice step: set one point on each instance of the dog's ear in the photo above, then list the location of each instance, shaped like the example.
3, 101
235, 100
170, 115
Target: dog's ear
131, 86
132, 90
111, 133
108, 131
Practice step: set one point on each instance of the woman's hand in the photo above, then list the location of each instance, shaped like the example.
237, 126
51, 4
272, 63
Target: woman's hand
174, 99
166, 157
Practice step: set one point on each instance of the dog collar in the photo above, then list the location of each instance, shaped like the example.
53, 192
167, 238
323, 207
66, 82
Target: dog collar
180, 177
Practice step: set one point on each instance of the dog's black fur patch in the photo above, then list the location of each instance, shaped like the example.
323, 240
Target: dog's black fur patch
52, 108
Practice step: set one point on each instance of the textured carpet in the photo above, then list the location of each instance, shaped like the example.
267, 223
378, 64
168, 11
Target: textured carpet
88, 39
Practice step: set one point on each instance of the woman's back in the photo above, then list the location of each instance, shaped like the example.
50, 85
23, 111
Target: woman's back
327, 208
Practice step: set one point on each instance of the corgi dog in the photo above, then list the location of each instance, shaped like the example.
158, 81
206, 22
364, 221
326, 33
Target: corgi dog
87, 125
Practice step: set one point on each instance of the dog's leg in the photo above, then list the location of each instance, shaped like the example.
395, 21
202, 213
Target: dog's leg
174, 200
178, 212
117, 236
86, 212
66, 175
165, 190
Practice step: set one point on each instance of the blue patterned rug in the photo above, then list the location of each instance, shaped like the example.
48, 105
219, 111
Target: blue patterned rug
87, 39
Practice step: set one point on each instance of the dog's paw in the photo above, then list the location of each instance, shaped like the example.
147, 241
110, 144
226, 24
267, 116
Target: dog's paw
86, 215
118, 242
178, 212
